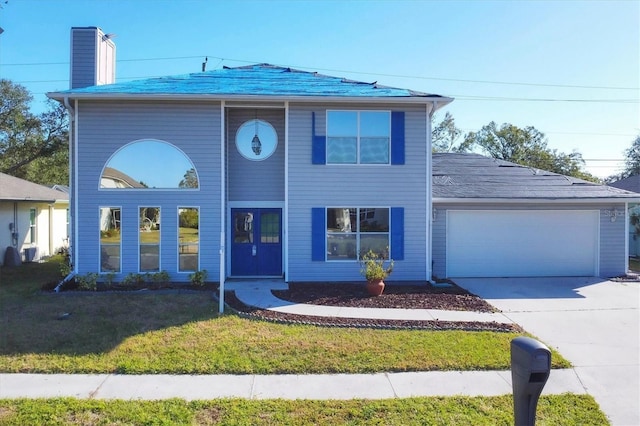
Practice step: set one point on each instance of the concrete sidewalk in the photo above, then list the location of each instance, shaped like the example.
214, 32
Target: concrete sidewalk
288, 386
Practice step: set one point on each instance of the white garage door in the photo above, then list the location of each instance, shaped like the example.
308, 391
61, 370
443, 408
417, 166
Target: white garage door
522, 243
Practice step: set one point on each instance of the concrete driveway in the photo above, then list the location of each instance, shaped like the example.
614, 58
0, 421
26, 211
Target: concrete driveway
594, 323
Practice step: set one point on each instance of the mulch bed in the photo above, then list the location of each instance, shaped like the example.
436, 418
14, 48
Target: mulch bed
419, 296
407, 296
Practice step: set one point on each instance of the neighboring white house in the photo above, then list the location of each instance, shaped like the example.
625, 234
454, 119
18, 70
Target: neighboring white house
33, 218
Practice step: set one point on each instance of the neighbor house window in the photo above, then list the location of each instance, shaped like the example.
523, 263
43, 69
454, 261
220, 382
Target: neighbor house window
149, 239
32, 226
353, 231
358, 137
188, 239
110, 241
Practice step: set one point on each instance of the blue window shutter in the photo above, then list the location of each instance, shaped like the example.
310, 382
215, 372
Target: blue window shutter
397, 233
318, 144
318, 234
397, 137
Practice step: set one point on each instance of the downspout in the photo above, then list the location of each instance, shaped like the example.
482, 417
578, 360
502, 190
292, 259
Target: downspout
626, 238
72, 193
429, 210
223, 207
285, 219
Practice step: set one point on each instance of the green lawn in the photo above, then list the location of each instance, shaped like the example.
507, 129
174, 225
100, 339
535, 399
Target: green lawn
634, 264
183, 334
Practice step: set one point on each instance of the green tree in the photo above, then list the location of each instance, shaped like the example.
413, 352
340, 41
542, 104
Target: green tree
445, 135
527, 147
631, 160
32, 146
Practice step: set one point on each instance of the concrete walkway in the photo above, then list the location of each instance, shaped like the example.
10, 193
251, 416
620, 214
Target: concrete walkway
259, 295
311, 386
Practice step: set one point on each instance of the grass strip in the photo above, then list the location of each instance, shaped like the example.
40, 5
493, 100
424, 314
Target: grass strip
566, 409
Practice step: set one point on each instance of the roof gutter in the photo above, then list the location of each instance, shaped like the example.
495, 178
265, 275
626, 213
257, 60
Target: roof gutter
478, 201
437, 101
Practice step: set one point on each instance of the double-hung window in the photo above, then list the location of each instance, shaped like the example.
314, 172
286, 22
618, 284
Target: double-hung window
354, 231
358, 137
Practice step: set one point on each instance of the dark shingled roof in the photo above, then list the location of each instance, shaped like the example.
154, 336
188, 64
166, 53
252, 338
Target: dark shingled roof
632, 183
16, 189
475, 177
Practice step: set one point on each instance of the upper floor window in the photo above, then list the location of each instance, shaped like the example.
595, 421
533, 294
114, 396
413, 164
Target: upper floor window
149, 164
358, 137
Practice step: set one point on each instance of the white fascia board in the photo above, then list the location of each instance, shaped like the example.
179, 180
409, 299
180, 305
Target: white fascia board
441, 101
600, 200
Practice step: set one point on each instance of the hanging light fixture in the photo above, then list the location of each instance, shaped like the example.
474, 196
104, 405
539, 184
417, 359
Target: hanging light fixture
256, 145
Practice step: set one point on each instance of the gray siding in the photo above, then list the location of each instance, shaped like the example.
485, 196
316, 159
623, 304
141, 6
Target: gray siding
83, 57
104, 128
356, 186
612, 236
255, 180
612, 242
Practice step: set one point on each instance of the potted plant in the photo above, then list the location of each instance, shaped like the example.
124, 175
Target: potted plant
373, 268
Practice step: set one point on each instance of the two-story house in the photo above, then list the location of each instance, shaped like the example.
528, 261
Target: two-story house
265, 171
246, 172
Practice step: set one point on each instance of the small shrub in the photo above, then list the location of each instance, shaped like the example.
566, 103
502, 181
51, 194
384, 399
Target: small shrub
198, 278
160, 277
372, 266
88, 281
132, 279
65, 267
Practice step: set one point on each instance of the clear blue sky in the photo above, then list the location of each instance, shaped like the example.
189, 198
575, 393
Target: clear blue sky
569, 68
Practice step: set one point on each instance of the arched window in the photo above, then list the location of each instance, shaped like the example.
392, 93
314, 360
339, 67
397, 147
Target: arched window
149, 164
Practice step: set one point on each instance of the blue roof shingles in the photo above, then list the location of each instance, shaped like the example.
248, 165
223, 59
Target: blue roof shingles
258, 80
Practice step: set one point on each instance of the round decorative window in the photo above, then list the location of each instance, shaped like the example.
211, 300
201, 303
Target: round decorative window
256, 140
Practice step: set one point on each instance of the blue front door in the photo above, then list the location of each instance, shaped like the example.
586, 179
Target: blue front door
256, 242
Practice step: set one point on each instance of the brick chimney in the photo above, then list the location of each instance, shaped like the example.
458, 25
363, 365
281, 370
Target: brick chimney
93, 57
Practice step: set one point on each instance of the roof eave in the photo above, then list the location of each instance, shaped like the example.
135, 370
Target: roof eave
586, 200
35, 200
60, 96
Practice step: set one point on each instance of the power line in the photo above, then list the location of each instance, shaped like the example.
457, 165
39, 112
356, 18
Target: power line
512, 83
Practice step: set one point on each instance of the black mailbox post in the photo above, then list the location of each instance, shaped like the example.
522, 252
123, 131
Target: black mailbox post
530, 367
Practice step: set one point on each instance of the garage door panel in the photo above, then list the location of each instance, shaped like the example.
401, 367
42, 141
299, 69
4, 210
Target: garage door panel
506, 243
